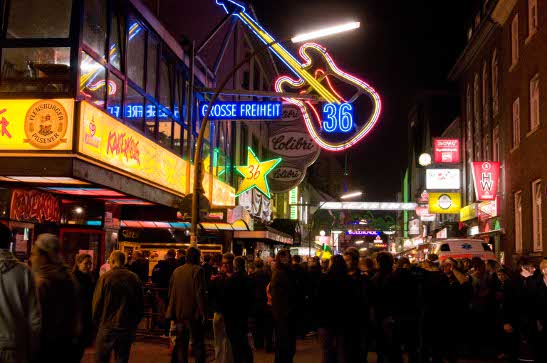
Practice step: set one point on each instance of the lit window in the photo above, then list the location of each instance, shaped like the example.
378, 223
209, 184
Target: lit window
532, 16
518, 221
534, 102
516, 123
537, 216
495, 70
515, 40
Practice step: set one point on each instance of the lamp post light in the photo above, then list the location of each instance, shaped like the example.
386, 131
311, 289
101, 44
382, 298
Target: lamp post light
198, 163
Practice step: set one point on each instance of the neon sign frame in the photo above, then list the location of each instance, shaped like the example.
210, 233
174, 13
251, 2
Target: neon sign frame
255, 173
337, 118
243, 110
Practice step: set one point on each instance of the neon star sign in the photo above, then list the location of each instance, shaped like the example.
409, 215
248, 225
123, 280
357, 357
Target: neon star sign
255, 172
332, 127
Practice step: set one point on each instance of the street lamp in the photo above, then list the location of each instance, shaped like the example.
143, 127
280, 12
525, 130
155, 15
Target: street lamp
198, 163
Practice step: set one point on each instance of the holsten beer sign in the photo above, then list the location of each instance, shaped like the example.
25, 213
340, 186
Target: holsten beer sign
290, 140
486, 176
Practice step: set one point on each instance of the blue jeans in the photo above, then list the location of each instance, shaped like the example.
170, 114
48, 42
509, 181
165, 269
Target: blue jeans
109, 340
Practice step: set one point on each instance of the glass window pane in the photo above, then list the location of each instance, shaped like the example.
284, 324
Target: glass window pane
116, 41
205, 150
135, 52
150, 120
165, 84
92, 80
134, 109
35, 70
185, 144
176, 101
177, 142
152, 64
94, 32
39, 19
165, 132
115, 87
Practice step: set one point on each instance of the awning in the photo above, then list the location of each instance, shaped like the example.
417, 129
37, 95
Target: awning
268, 235
238, 225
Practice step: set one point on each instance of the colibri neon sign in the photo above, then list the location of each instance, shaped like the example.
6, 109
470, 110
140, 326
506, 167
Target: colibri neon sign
242, 110
332, 126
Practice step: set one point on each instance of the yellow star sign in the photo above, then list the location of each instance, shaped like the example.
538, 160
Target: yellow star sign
255, 173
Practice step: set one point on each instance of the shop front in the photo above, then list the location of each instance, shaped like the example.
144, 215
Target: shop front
482, 221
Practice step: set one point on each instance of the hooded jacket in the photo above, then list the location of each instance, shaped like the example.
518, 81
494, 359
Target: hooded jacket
19, 309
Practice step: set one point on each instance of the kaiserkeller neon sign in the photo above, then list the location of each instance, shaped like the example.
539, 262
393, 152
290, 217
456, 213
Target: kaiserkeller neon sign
333, 127
255, 172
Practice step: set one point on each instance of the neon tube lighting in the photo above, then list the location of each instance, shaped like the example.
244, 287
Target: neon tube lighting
325, 32
350, 195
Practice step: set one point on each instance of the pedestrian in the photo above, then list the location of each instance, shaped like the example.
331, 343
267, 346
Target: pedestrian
537, 290
57, 293
81, 272
238, 302
104, 268
284, 299
315, 271
161, 275
301, 282
366, 265
223, 351
181, 257
209, 269
187, 291
263, 337
117, 310
140, 266
19, 306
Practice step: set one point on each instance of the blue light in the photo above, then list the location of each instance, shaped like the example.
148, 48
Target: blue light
136, 111
93, 223
337, 118
242, 110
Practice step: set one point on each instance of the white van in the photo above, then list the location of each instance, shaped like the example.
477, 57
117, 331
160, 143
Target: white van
462, 248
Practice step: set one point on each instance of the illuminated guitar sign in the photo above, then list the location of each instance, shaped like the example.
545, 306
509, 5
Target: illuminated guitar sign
332, 125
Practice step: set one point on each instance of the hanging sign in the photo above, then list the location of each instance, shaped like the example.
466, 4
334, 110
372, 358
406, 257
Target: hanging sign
422, 210
488, 209
255, 172
442, 179
468, 212
414, 226
486, 176
446, 151
362, 233
444, 203
257, 110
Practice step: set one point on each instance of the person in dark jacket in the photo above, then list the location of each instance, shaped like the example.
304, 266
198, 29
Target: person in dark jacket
181, 257
58, 296
118, 308
140, 266
263, 337
537, 291
209, 269
187, 291
81, 272
238, 299
302, 287
282, 290
161, 275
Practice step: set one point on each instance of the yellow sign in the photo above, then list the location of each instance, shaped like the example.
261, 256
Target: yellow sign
468, 212
105, 139
34, 124
255, 173
444, 203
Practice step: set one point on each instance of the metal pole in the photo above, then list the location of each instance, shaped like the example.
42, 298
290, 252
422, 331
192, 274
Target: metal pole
197, 154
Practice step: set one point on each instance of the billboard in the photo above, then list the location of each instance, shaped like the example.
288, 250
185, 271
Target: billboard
443, 179
468, 212
486, 176
445, 203
446, 151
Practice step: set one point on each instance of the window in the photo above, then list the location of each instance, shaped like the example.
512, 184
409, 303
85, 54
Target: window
165, 132
516, 123
495, 71
532, 17
116, 45
134, 106
537, 216
177, 141
94, 29
150, 120
477, 115
515, 40
244, 139
469, 114
135, 52
92, 83
485, 81
151, 66
165, 83
496, 145
486, 147
518, 221
534, 102
115, 96
39, 19
185, 143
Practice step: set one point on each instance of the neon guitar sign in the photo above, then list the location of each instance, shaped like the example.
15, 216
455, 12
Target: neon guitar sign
333, 126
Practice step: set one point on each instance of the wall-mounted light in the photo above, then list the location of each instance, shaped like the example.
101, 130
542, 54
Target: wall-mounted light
424, 159
79, 210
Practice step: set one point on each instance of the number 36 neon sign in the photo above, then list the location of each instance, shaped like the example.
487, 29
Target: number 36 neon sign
337, 118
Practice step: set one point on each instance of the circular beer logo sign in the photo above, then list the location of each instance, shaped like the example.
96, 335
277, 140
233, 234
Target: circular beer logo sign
46, 124
445, 202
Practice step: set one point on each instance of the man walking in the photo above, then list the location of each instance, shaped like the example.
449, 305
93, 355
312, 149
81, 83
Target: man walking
19, 307
117, 309
187, 291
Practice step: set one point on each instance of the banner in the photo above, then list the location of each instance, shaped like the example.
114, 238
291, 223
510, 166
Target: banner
446, 151
442, 179
486, 176
445, 203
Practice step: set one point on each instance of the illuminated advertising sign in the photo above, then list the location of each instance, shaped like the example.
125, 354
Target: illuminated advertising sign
337, 118
486, 176
242, 110
105, 139
414, 226
445, 203
443, 179
36, 125
370, 206
488, 209
255, 173
428, 218
132, 111
468, 212
293, 196
362, 233
422, 210
447, 151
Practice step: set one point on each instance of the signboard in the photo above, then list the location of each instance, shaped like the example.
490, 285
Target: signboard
293, 196
486, 176
257, 110
370, 206
444, 179
488, 209
105, 139
362, 233
446, 151
468, 212
35, 124
428, 218
255, 172
443, 233
414, 226
422, 210
445, 203
34, 206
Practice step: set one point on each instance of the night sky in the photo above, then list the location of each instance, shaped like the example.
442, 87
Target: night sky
401, 47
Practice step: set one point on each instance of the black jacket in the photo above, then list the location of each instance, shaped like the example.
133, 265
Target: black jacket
282, 290
161, 275
141, 268
335, 292
238, 296
85, 288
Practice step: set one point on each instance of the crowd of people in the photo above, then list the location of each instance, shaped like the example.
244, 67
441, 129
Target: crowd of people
433, 311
